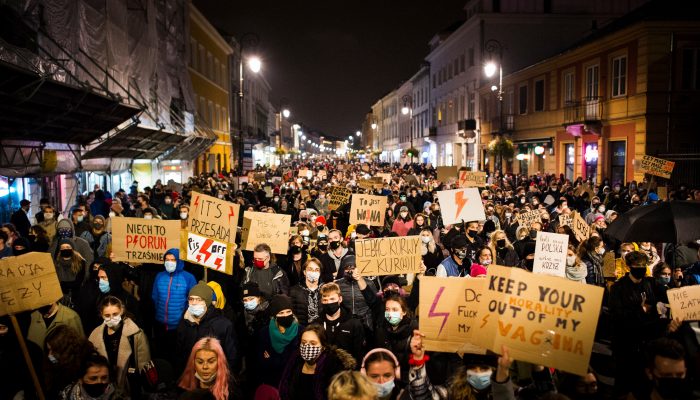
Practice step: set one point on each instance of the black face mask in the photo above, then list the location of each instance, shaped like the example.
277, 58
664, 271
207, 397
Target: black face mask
323, 247
501, 243
286, 321
331, 308
334, 245
304, 219
673, 388
529, 264
95, 389
66, 253
533, 234
472, 234
295, 249
348, 275
638, 273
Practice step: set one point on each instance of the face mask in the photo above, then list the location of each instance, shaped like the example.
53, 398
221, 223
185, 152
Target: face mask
251, 304
168, 201
471, 233
673, 388
570, 260
529, 264
330, 308
148, 216
80, 218
170, 266
95, 389
309, 352
66, 253
522, 200
323, 247
296, 249
425, 239
403, 198
508, 215
221, 196
210, 380
479, 380
664, 280
48, 216
638, 273
384, 389
286, 321
112, 214
533, 234
313, 276
53, 359
486, 263
103, 285
197, 310
276, 199
393, 317
259, 264
461, 254
183, 215
113, 322
623, 254
404, 215
303, 219
501, 243
305, 233
601, 209
334, 245
601, 251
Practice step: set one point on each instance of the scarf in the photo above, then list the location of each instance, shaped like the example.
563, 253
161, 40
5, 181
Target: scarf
577, 272
280, 340
595, 257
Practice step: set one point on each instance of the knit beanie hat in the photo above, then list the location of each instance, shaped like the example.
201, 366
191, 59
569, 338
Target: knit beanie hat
202, 290
279, 303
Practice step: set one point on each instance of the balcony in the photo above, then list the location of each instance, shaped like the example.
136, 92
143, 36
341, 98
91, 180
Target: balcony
503, 124
587, 111
432, 131
466, 125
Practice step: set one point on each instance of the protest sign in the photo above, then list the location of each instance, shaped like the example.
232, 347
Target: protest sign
259, 177
213, 218
322, 174
685, 302
338, 197
580, 227
271, 229
656, 166
445, 174
662, 191
550, 254
609, 264
304, 193
268, 191
304, 173
545, 320
388, 255
371, 183
449, 313
471, 179
461, 205
565, 220
209, 253
27, 282
527, 218
142, 240
386, 178
365, 167
367, 209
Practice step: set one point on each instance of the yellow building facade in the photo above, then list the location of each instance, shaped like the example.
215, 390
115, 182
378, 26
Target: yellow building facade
211, 81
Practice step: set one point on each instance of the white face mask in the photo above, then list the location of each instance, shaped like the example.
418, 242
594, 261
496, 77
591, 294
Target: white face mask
112, 214
601, 250
183, 215
48, 215
170, 266
305, 233
148, 216
571, 260
313, 276
425, 239
404, 214
113, 322
486, 263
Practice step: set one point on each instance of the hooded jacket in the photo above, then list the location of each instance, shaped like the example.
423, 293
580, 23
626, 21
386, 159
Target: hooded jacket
331, 361
170, 292
65, 227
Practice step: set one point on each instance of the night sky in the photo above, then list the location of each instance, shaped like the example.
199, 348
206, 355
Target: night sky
330, 59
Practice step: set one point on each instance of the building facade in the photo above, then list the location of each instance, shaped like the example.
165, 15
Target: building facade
389, 130
420, 117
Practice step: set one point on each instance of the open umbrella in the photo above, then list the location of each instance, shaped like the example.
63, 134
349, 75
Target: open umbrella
668, 222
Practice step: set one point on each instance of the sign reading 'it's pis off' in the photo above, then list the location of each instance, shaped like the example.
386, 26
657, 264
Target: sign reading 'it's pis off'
388, 255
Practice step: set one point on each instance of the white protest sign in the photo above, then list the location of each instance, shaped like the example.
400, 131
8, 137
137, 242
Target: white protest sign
461, 205
210, 253
550, 254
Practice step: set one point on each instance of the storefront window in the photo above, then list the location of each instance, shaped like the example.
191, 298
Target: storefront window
618, 155
569, 160
590, 155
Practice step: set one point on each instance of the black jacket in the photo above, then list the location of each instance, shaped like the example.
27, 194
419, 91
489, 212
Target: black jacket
631, 324
346, 333
328, 267
331, 361
397, 340
214, 324
300, 302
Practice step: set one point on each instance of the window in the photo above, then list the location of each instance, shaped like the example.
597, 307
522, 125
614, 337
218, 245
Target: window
202, 59
434, 79
193, 53
456, 66
690, 69
618, 153
471, 57
568, 88
619, 76
470, 107
592, 74
569, 160
522, 102
210, 66
449, 71
461, 63
539, 95
590, 155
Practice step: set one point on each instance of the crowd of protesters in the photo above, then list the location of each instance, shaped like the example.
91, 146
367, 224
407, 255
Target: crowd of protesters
306, 325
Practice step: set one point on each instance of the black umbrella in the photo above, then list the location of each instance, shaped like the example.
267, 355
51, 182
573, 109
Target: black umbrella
668, 222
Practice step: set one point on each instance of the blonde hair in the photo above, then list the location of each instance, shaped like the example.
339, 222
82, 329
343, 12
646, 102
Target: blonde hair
351, 385
328, 288
492, 242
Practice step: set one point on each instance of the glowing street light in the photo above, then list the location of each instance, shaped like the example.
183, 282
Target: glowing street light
285, 113
490, 69
358, 133
255, 64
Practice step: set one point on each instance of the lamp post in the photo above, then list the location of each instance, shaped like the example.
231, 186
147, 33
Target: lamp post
249, 40
407, 109
494, 48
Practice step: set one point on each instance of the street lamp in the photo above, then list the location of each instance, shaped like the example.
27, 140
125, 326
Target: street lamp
407, 109
358, 133
495, 49
285, 113
249, 40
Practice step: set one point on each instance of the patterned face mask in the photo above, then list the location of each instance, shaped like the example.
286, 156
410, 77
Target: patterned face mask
309, 352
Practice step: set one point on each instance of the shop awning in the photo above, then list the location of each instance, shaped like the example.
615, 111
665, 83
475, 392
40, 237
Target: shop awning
197, 143
135, 141
39, 108
525, 145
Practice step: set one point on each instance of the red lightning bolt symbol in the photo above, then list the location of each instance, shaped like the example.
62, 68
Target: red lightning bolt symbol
432, 312
461, 202
217, 262
484, 320
204, 248
196, 202
230, 214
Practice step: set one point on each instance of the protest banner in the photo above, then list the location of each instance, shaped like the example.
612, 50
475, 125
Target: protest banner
386, 178
461, 205
662, 191
365, 167
388, 255
565, 220
609, 266
656, 166
449, 314
210, 253
259, 177
213, 218
550, 254
545, 320
27, 282
339, 196
581, 229
446, 174
367, 209
271, 229
471, 179
371, 183
322, 174
305, 173
144, 241
685, 302
527, 218
304, 193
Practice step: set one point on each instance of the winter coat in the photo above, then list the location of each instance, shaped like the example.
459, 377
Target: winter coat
213, 324
100, 245
401, 227
79, 244
346, 333
631, 324
90, 298
595, 270
64, 316
268, 370
140, 348
507, 257
280, 282
331, 361
398, 340
170, 292
330, 264
300, 302
359, 302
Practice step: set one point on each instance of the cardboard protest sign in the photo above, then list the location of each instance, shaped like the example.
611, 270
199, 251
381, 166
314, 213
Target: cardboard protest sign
371, 183
445, 174
388, 255
386, 178
143, 240
271, 229
27, 282
449, 313
656, 166
213, 218
609, 264
367, 209
210, 253
305, 193
525, 219
541, 319
581, 229
565, 220
268, 191
338, 197
584, 188
259, 177
471, 179
662, 191
685, 302
461, 205
305, 173
322, 174
550, 254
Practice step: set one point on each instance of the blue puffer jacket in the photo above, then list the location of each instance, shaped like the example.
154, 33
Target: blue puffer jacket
170, 292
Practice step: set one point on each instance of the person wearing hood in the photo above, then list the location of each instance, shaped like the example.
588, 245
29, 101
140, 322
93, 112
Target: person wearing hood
64, 230
201, 320
167, 209
403, 223
305, 295
575, 268
358, 292
457, 263
71, 269
170, 291
21, 246
97, 237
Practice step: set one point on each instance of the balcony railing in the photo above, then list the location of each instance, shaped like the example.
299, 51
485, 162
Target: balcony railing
503, 124
466, 125
586, 111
